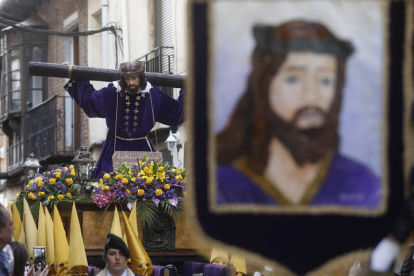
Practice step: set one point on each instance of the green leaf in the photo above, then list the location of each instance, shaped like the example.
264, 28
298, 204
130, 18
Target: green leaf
34, 209
102, 214
147, 212
19, 205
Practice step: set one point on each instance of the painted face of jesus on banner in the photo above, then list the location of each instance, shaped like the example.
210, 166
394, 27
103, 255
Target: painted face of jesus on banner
280, 145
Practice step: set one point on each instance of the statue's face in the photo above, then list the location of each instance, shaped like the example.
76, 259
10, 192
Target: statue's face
132, 83
305, 82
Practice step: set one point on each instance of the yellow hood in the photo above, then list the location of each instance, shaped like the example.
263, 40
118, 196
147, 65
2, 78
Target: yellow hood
61, 244
78, 264
140, 261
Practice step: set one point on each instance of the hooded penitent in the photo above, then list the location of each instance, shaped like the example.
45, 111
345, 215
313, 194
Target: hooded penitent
61, 244
140, 261
219, 256
50, 244
22, 237
17, 222
240, 264
116, 225
78, 264
41, 227
30, 230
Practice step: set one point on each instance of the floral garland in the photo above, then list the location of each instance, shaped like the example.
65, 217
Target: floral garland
53, 185
153, 185
146, 181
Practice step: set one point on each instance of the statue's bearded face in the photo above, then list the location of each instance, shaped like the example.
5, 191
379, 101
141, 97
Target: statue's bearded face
300, 100
132, 84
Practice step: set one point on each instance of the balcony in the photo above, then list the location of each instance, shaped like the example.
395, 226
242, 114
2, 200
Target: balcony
51, 130
160, 60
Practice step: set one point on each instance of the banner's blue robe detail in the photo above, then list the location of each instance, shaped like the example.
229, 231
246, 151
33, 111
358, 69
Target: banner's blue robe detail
135, 116
347, 184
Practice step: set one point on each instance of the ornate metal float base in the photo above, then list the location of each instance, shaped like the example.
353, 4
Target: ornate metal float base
161, 235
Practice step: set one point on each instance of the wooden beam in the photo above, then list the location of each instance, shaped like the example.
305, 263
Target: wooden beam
45, 69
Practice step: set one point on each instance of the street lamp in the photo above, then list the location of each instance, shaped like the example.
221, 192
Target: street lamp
172, 141
83, 163
31, 166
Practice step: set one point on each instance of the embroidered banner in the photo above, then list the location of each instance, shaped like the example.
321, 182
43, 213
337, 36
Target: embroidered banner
304, 104
132, 157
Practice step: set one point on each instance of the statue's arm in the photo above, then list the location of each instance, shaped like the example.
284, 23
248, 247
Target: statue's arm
89, 99
171, 111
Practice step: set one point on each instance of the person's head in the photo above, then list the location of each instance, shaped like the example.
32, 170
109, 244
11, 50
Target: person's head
116, 254
293, 94
132, 76
21, 256
6, 227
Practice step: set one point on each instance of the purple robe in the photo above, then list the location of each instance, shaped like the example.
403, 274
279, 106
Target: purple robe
135, 116
347, 183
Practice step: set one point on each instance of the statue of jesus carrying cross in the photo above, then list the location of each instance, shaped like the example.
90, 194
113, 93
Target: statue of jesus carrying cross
130, 106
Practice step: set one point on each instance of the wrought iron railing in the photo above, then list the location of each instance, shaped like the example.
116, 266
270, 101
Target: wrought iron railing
51, 129
160, 60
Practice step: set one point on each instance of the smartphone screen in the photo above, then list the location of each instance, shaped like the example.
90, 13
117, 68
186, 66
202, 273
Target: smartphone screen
39, 257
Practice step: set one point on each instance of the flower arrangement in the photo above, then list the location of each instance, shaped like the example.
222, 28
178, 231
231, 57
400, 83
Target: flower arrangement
156, 186
53, 185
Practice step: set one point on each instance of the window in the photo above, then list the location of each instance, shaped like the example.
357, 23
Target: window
34, 83
14, 76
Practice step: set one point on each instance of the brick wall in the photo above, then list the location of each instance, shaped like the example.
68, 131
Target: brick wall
54, 12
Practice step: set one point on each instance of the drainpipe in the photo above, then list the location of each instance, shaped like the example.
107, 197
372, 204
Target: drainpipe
125, 28
104, 34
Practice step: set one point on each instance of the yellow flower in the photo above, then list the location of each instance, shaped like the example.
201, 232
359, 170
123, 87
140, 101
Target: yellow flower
27, 186
158, 192
30, 195
71, 167
124, 181
128, 191
73, 173
152, 163
18, 194
140, 192
66, 168
101, 181
140, 163
105, 188
31, 182
41, 193
69, 181
107, 176
161, 175
150, 172
146, 170
52, 181
149, 181
57, 175
68, 194
34, 197
166, 187
95, 185
133, 180
61, 197
179, 177
38, 179
59, 170
118, 176
51, 197
160, 169
41, 184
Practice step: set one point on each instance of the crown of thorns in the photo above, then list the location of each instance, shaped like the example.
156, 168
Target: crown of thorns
266, 42
123, 67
